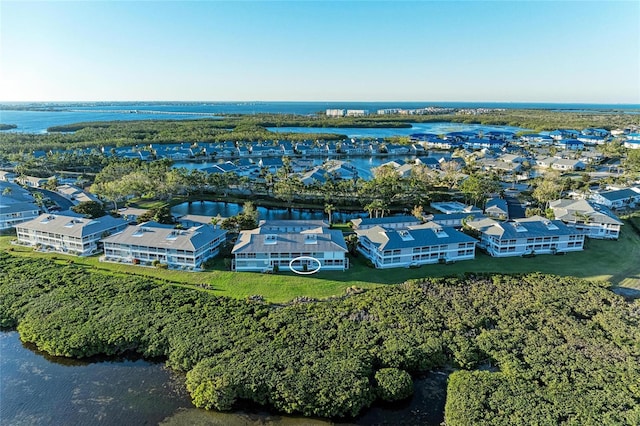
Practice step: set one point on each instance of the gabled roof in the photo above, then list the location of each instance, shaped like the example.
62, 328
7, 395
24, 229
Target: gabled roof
497, 205
619, 194
315, 240
66, 224
428, 234
573, 210
531, 227
153, 234
382, 221
17, 207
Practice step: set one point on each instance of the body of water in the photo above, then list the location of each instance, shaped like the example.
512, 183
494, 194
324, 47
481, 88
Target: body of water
215, 208
40, 116
37, 389
436, 128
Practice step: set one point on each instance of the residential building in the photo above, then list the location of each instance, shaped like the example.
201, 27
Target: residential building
388, 222
618, 198
6, 176
357, 112
335, 112
76, 195
131, 214
300, 245
455, 220
497, 208
592, 219
566, 164
533, 235
178, 248
68, 233
17, 205
12, 214
414, 246
33, 181
449, 207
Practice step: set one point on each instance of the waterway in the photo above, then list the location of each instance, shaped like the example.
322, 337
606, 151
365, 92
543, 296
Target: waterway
215, 208
37, 117
37, 389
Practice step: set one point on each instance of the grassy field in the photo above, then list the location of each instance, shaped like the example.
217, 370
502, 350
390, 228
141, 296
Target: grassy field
615, 261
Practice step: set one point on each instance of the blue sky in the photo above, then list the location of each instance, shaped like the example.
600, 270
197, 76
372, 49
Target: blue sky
520, 51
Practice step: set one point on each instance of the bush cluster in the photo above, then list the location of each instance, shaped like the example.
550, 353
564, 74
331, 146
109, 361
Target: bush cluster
530, 349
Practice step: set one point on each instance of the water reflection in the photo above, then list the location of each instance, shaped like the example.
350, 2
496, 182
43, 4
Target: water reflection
214, 208
39, 390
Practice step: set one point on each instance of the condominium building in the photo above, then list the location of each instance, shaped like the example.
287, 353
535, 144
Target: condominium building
68, 233
178, 248
533, 235
415, 245
299, 245
588, 217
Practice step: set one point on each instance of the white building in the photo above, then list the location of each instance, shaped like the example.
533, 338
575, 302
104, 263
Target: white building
497, 208
178, 248
388, 222
16, 205
414, 246
357, 112
618, 198
336, 112
280, 243
75, 194
592, 219
68, 233
534, 235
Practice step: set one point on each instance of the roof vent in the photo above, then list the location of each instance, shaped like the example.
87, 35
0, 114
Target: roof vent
550, 225
270, 239
311, 239
519, 228
405, 235
440, 233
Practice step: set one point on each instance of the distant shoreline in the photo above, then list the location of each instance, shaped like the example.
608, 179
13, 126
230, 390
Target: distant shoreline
320, 105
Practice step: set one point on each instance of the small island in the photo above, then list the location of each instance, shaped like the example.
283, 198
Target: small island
8, 126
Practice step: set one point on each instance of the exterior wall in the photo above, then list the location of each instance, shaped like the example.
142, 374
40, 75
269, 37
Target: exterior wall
82, 246
616, 204
416, 255
601, 231
258, 262
540, 245
9, 220
175, 258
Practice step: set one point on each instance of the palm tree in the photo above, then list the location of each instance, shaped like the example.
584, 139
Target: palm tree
328, 209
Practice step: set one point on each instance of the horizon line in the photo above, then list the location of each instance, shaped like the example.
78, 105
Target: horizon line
317, 101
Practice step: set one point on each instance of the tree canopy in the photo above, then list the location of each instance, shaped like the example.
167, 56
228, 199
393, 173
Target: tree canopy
530, 349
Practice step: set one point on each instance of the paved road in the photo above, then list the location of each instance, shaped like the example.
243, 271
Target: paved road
516, 210
60, 201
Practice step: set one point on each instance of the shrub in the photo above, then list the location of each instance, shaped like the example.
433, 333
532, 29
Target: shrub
393, 384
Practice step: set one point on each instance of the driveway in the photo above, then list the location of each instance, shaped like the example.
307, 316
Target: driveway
516, 210
60, 201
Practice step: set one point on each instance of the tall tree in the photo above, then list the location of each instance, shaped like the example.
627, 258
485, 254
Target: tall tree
328, 209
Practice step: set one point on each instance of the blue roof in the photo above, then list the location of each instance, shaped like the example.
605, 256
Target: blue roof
619, 194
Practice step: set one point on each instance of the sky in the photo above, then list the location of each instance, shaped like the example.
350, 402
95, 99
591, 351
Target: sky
492, 51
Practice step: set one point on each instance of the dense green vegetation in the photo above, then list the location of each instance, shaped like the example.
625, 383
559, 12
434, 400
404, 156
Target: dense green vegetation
121, 179
145, 132
253, 128
550, 350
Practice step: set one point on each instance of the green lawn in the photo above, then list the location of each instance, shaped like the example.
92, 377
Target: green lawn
614, 261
